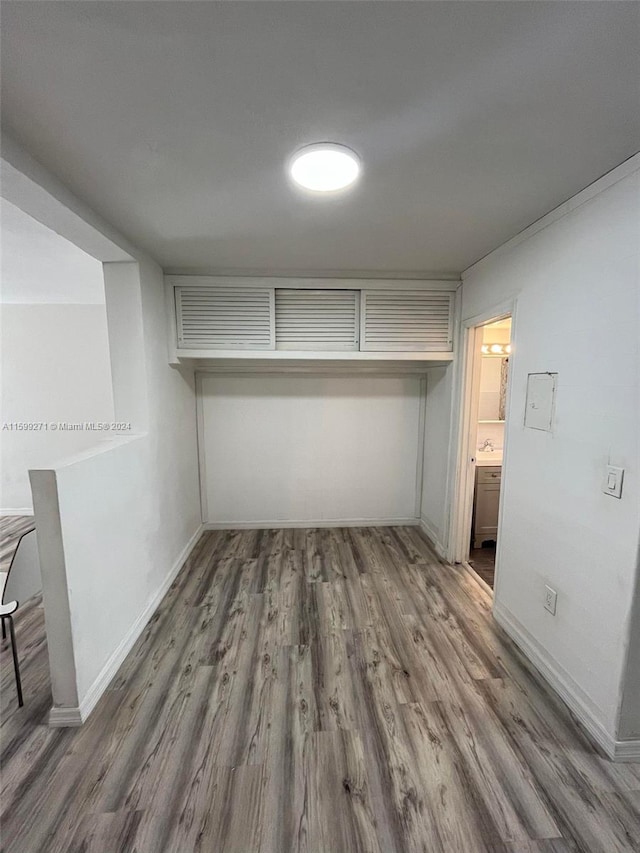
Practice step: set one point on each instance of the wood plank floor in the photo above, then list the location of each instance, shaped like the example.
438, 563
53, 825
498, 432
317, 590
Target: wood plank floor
326, 691
483, 562
12, 528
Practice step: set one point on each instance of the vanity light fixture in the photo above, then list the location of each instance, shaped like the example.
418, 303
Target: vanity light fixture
324, 167
496, 349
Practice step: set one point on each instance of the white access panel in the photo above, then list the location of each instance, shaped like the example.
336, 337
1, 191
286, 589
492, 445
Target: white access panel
541, 395
284, 449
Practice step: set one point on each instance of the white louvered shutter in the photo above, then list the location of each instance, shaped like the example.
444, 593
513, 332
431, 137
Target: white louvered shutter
317, 319
407, 320
224, 318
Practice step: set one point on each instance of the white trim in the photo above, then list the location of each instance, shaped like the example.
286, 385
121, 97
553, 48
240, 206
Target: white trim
300, 283
452, 447
76, 716
25, 510
350, 372
508, 419
626, 750
465, 403
202, 460
231, 367
432, 535
562, 683
313, 355
65, 717
599, 186
499, 312
388, 276
476, 577
28, 185
172, 322
421, 445
566, 688
280, 524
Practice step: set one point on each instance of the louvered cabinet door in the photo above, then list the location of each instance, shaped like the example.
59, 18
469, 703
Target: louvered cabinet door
220, 318
407, 320
317, 319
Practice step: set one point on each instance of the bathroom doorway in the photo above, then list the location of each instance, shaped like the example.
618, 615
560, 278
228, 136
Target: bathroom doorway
485, 408
492, 398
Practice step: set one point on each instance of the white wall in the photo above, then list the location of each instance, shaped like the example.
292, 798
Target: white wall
41, 267
577, 287
55, 369
437, 428
127, 514
54, 350
310, 449
113, 524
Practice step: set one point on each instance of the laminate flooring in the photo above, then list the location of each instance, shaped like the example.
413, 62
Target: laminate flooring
326, 691
483, 562
12, 528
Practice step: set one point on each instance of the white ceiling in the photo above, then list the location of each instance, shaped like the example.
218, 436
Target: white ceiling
39, 266
174, 121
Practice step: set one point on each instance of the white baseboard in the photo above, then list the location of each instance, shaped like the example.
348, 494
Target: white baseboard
24, 510
476, 577
566, 688
75, 716
324, 522
60, 718
433, 535
626, 750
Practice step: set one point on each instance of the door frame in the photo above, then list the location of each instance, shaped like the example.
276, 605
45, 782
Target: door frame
468, 390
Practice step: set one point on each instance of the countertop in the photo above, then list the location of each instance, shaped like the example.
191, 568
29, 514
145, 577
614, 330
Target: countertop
492, 458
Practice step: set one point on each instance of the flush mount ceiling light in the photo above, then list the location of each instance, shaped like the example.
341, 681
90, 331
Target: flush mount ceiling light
324, 167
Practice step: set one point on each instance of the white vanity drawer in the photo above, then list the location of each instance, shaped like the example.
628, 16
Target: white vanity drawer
489, 474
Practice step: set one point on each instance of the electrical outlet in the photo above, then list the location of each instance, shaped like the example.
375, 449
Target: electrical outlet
550, 598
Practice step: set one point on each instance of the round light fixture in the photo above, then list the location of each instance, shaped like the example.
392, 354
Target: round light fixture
324, 167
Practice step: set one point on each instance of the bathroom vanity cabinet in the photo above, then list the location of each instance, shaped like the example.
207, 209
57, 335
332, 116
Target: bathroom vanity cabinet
485, 504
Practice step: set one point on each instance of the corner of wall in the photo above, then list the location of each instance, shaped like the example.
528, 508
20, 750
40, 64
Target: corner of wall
54, 588
433, 535
628, 718
558, 678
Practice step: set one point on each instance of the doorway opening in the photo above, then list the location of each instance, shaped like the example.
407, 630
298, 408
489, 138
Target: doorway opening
57, 384
483, 445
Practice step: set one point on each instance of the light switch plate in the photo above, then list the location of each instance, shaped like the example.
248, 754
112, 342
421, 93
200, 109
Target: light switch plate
613, 481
